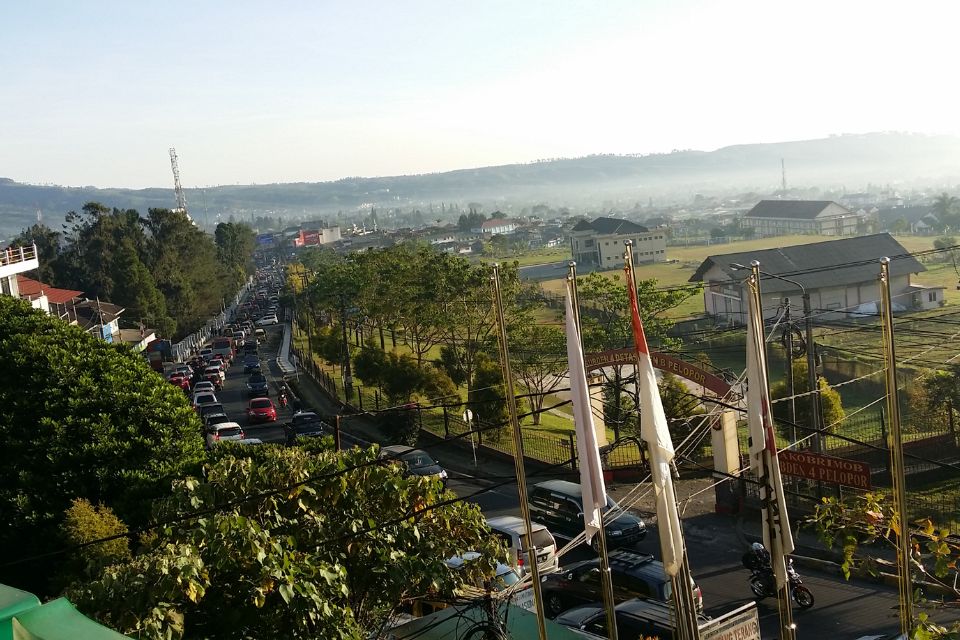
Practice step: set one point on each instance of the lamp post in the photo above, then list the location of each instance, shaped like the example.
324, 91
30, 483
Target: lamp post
811, 358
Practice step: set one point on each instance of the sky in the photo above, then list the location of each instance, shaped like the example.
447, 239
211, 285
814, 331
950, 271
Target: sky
95, 93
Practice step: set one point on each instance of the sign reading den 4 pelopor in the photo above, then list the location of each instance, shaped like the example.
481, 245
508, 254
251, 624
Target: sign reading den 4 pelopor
815, 466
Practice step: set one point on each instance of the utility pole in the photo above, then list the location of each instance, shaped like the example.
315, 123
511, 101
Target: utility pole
812, 385
895, 444
347, 375
788, 345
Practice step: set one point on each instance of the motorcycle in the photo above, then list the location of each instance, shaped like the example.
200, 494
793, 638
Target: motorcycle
283, 399
763, 584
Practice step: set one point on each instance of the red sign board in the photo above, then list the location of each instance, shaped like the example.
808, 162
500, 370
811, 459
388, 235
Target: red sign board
814, 466
663, 362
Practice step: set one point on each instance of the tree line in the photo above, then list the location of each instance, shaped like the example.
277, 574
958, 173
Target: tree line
161, 268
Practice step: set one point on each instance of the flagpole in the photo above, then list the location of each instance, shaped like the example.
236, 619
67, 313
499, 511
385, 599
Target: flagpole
518, 454
895, 444
769, 498
606, 576
685, 611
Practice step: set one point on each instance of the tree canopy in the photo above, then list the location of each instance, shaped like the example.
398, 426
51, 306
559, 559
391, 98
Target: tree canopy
80, 418
330, 546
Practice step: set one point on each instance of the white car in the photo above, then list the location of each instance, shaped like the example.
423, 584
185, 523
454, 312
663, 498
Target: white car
267, 320
224, 431
202, 399
204, 386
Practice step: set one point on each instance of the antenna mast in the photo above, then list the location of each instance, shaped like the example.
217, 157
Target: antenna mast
181, 199
783, 176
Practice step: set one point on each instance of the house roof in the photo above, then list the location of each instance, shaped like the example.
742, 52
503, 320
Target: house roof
30, 287
609, 226
88, 310
793, 209
820, 264
496, 222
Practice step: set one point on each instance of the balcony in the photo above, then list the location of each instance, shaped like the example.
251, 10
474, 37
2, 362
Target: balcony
14, 260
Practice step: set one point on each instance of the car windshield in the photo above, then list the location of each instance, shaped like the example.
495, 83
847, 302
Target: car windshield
301, 418
541, 539
505, 580
417, 459
229, 431
262, 403
257, 377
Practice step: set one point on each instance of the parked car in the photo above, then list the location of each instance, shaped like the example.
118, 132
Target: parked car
267, 320
415, 461
257, 386
261, 410
205, 398
307, 424
635, 619
260, 333
180, 380
635, 575
559, 505
512, 531
224, 431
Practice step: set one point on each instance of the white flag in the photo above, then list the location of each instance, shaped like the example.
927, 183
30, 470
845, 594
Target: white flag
777, 537
591, 473
654, 431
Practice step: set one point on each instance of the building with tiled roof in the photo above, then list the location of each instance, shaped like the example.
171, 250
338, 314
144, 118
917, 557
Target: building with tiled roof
599, 243
819, 217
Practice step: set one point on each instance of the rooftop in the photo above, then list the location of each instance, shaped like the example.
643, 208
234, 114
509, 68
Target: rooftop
819, 264
609, 226
793, 209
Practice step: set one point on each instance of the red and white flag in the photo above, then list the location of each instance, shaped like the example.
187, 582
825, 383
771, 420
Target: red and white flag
777, 537
591, 472
655, 432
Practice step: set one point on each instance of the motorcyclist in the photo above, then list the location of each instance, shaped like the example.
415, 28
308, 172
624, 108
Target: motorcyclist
757, 558
283, 397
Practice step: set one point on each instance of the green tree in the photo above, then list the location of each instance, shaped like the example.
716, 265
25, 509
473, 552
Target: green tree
84, 523
235, 245
683, 410
831, 404
80, 419
331, 547
947, 209
137, 292
538, 355
48, 249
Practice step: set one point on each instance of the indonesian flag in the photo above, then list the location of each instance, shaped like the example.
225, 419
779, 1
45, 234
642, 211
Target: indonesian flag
777, 537
591, 473
654, 431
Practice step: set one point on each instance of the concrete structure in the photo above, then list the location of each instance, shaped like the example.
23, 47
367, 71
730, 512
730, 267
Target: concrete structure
839, 275
14, 261
600, 243
316, 237
818, 217
495, 226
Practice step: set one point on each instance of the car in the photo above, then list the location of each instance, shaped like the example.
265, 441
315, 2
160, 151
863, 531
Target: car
512, 531
307, 424
251, 364
261, 410
206, 353
260, 333
211, 410
635, 575
180, 380
215, 417
184, 369
504, 576
635, 619
559, 505
257, 386
224, 431
416, 461
203, 386
215, 376
267, 320
202, 399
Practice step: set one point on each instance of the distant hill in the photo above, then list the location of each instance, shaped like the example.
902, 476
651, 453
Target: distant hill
848, 160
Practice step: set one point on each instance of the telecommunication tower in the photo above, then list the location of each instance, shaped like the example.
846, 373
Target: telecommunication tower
181, 199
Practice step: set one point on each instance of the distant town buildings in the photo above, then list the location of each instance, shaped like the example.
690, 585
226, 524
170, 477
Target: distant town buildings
817, 217
839, 275
495, 226
600, 243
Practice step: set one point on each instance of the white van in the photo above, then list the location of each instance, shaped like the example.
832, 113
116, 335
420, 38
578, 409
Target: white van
511, 530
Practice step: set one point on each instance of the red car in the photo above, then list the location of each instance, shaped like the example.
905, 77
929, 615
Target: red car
181, 381
261, 410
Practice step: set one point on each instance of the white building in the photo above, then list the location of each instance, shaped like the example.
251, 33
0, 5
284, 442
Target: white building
839, 275
818, 217
14, 261
600, 243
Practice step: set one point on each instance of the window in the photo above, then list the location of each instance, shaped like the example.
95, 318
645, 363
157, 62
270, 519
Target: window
588, 243
932, 296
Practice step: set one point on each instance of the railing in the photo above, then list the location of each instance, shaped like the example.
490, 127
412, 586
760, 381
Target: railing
14, 255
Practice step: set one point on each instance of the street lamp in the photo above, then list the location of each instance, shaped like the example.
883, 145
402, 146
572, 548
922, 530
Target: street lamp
811, 355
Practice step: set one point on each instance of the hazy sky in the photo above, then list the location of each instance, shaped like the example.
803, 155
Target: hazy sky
95, 93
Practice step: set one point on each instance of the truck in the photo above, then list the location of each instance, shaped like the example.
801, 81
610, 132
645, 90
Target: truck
159, 353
